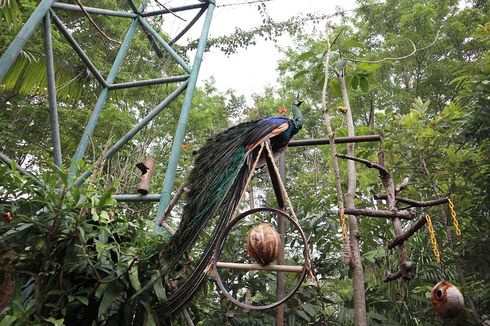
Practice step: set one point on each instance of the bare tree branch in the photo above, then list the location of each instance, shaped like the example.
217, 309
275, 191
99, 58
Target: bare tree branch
402, 185
407, 234
415, 50
415, 203
369, 164
406, 215
172, 204
170, 11
95, 25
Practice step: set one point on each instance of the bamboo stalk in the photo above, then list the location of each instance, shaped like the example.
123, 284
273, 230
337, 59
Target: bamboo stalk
147, 167
258, 267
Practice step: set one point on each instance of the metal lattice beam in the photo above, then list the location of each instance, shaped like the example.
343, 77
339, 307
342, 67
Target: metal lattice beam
45, 12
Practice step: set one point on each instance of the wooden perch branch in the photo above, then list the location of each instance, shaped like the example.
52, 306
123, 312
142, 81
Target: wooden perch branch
183, 188
416, 203
167, 227
369, 164
393, 276
406, 215
407, 268
407, 234
402, 185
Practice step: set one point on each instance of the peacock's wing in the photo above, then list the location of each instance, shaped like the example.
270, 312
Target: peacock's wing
217, 182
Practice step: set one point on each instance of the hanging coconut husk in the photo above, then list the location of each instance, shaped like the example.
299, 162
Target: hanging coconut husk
447, 300
263, 244
345, 255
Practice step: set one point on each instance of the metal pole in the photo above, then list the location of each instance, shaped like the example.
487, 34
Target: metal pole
133, 7
184, 113
22, 37
137, 198
8, 161
188, 26
149, 82
121, 142
53, 112
86, 60
91, 10
258, 267
175, 9
89, 129
165, 45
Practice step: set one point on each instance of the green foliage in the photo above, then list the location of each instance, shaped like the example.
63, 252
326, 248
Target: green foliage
80, 255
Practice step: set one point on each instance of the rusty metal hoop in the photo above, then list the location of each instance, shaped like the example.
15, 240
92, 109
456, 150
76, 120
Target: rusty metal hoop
219, 248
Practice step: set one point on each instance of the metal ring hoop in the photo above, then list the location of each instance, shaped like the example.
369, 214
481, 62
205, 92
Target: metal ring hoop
219, 248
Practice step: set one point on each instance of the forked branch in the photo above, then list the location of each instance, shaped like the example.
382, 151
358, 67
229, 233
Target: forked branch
368, 163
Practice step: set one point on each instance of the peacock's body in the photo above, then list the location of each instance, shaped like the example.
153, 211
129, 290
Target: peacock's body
217, 182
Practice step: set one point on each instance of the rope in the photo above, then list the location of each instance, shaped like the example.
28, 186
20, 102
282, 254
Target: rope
343, 225
345, 251
455, 218
433, 239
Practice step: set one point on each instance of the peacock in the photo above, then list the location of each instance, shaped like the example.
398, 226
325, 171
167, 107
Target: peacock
217, 181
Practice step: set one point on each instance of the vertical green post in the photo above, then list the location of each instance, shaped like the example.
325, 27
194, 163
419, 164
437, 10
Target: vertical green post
184, 114
53, 111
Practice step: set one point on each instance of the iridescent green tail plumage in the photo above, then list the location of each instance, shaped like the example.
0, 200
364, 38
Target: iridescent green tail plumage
216, 169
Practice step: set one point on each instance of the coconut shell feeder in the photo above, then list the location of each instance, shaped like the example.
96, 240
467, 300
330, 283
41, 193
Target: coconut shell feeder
447, 300
263, 244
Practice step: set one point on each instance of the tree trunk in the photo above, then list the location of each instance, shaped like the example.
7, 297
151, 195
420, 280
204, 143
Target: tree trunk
356, 266
371, 114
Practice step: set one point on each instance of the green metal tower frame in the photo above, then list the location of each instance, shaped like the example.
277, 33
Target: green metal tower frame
45, 12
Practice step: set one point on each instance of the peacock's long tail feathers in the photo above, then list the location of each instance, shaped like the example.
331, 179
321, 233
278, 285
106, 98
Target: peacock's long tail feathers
217, 166
194, 281
217, 182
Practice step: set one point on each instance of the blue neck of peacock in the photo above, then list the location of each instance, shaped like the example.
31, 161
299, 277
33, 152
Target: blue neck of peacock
297, 117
